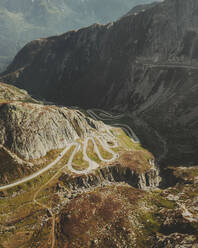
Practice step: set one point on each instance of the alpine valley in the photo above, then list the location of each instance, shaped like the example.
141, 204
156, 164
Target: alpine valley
99, 134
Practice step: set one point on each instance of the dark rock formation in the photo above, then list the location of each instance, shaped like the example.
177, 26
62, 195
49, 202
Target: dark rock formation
114, 173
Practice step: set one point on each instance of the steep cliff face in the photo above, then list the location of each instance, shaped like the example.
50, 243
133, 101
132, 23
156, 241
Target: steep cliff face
115, 173
145, 64
111, 57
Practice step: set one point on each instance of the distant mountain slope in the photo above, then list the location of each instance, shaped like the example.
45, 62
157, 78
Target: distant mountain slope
145, 64
22, 21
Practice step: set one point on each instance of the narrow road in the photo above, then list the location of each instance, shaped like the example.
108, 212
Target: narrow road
38, 173
105, 147
104, 115
92, 164
129, 131
111, 117
169, 66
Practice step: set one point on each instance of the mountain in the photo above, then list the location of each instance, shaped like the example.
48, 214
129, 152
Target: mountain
145, 65
64, 151
33, 134
70, 181
22, 21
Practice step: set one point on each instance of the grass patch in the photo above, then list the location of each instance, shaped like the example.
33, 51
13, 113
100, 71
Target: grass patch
125, 141
18, 210
162, 202
105, 154
24, 193
150, 226
78, 162
91, 153
135, 160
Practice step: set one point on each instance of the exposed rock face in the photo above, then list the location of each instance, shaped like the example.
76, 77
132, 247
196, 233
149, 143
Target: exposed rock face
12, 167
31, 130
114, 173
11, 93
164, 34
145, 63
33, 134
115, 205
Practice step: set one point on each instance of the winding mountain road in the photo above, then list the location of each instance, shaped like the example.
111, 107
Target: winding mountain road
110, 117
107, 148
38, 173
92, 164
104, 115
151, 65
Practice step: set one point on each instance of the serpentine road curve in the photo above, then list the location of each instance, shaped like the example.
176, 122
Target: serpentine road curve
38, 173
110, 117
92, 165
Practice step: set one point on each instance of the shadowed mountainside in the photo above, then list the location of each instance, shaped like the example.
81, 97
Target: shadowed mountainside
22, 21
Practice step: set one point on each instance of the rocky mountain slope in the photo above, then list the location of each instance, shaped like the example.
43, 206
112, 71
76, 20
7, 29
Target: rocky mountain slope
22, 21
122, 216
114, 202
145, 65
33, 134
50, 155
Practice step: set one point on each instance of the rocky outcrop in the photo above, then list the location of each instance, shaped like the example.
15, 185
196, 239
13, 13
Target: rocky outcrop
118, 215
11, 93
111, 174
145, 63
31, 130
12, 167
32, 135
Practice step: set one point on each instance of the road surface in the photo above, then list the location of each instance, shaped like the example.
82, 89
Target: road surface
92, 164
110, 117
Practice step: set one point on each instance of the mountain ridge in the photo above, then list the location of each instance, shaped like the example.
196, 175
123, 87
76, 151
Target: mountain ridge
22, 21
